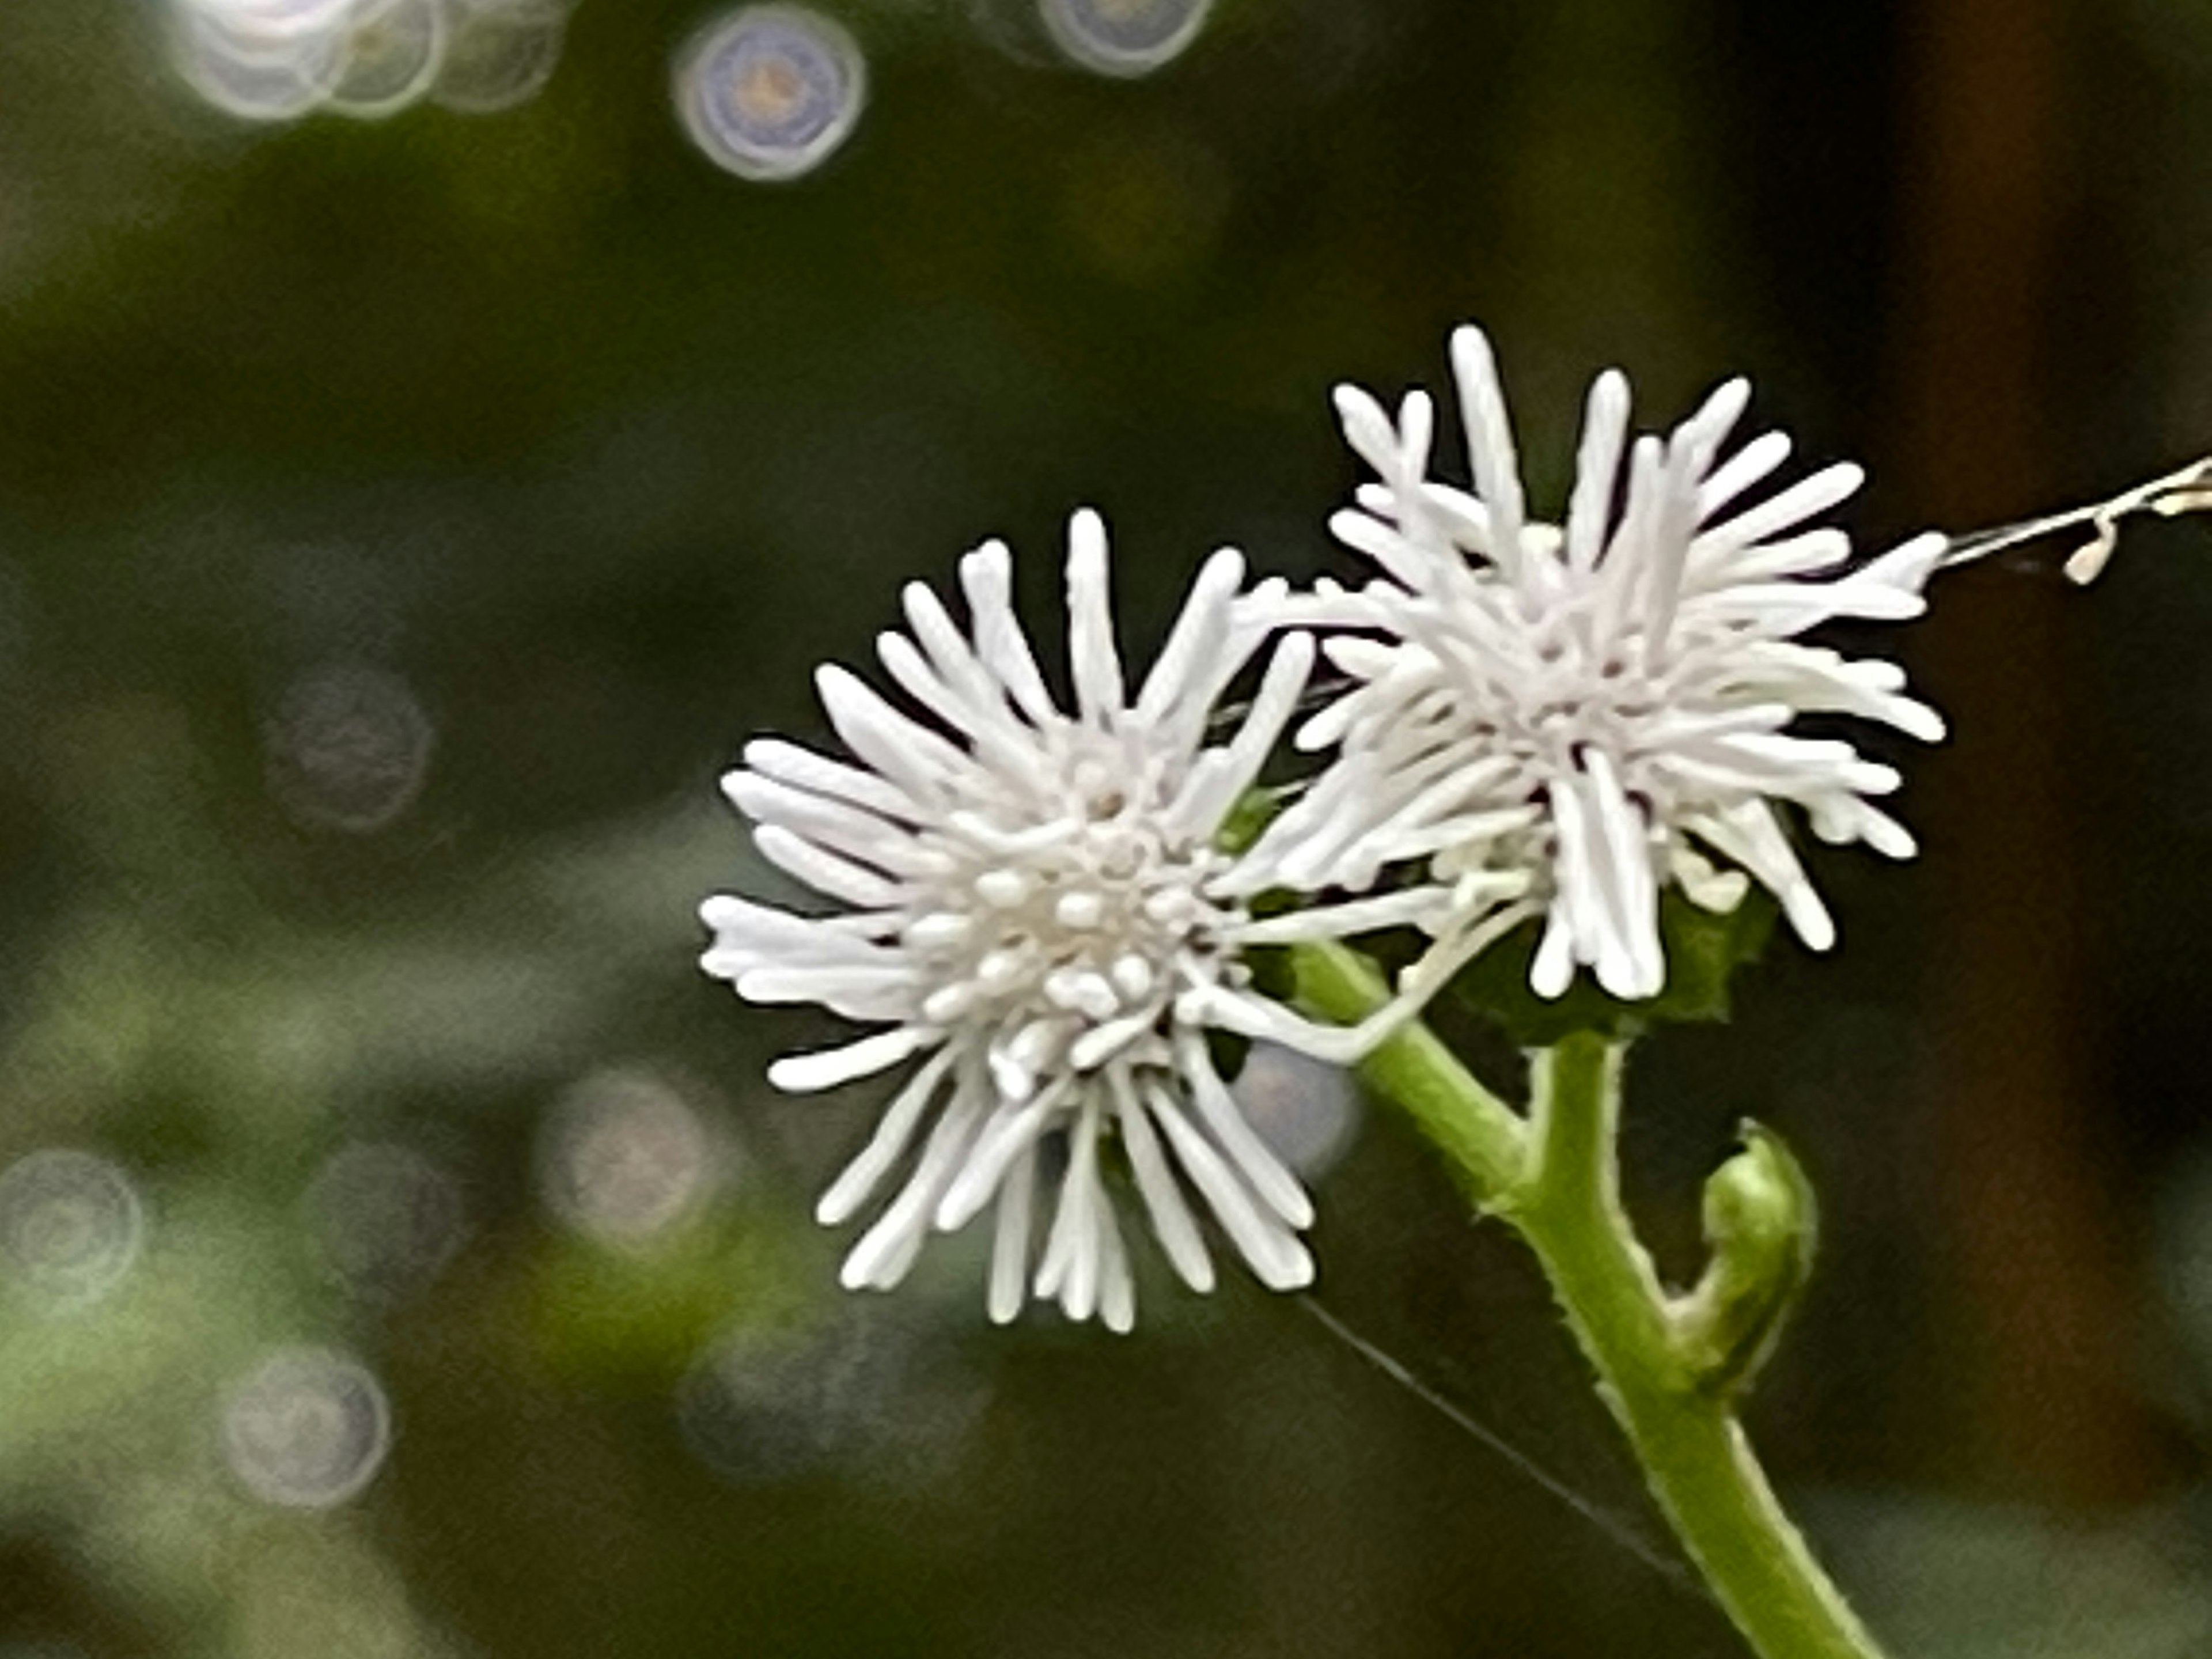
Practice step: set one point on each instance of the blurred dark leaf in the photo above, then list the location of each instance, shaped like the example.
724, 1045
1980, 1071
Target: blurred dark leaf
1704, 952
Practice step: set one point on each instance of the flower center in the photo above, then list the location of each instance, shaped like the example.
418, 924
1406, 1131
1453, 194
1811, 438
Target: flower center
1545, 711
1074, 917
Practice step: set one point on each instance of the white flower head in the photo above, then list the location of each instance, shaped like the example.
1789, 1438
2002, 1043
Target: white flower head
1032, 904
1596, 708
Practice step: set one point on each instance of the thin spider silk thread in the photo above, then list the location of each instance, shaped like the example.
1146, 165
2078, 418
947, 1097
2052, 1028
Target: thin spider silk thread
1617, 1530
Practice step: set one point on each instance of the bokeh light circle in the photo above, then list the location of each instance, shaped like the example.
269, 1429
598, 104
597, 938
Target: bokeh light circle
308, 1428
1124, 37
625, 1158
770, 92
392, 52
880, 1398
384, 1217
499, 53
1305, 1110
279, 60
70, 1225
348, 747
270, 23
263, 62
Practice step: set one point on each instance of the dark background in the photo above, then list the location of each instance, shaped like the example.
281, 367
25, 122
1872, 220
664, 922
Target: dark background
536, 433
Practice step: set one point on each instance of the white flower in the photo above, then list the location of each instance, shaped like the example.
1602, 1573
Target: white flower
1032, 906
1593, 709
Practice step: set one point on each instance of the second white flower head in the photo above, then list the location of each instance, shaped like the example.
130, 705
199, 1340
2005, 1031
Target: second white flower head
1596, 707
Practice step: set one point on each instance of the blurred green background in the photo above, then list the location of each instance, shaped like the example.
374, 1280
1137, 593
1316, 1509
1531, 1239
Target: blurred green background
401, 523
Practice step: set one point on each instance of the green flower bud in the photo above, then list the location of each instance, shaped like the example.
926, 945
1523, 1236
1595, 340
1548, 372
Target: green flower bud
1761, 1223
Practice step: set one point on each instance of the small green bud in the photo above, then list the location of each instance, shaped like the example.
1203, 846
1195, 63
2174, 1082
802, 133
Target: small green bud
1760, 1221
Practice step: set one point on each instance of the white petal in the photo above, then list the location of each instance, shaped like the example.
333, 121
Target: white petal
1716, 892
888, 1249
1277, 1187
1070, 1267
1633, 883
1367, 426
891, 848
865, 1173
1580, 902
1490, 443
1749, 834
1597, 468
1271, 1248
1248, 1158
1010, 1249
827, 1068
787, 763
986, 577
1801, 501
1096, 664
1197, 635
885, 991
1342, 920
1716, 417
825, 871
1747, 467
1402, 557
1909, 565
1173, 1225
1553, 968
948, 652
1013, 1129
1117, 1286
1207, 800
918, 761
749, 936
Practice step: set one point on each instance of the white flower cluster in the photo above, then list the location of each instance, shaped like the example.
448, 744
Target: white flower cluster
1575, 717
1036, 907
277, 60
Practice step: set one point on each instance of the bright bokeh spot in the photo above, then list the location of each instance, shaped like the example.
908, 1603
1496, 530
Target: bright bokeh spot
71, 1226
259, 63
771, 91
625, 1158
1124, 37
277, 60
307, 1428
1305, 1110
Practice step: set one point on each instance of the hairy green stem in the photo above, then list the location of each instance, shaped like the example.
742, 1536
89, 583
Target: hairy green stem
1555, 1180
1700, 1465
1483, 1137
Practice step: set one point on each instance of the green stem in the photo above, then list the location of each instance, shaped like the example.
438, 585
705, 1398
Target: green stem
1694, 1452
1481, 1136
1555, 1180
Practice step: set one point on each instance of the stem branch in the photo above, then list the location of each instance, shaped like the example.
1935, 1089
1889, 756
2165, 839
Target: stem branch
1482, 1137
1555, 1180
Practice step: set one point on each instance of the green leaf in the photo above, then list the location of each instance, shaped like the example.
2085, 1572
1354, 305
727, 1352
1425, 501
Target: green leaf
1254, 809
1704, 950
